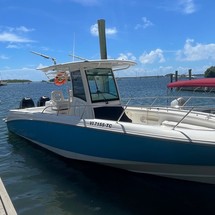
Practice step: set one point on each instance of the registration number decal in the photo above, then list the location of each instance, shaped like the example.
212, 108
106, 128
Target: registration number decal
101, 124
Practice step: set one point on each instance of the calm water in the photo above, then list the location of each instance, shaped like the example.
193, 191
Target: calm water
40, 182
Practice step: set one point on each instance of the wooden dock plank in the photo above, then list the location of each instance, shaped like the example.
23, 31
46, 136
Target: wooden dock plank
6, 206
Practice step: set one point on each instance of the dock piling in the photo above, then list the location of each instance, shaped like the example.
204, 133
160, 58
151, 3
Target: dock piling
102, 38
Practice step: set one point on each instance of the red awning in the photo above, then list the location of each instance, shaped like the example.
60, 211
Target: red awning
203, 82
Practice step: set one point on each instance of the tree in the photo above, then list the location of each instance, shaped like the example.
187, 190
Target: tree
210, 72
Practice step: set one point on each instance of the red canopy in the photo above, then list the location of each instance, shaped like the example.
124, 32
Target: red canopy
203, 82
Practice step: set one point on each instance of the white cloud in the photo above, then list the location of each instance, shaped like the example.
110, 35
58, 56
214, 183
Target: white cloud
109, 31
14, 35
19, 29
24, 29
127, 56
153, 56
145, 24
187, 6
182, 6
13, 46
11, 37
94, 30
196, 51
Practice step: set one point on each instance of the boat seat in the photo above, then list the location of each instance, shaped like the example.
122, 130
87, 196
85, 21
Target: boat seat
58, 101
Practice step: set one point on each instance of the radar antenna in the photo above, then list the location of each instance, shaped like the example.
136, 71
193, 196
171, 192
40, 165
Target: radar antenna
45, 56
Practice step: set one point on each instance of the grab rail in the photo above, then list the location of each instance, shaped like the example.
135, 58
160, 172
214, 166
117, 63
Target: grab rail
192, 101
154, 102
123, 111
182, 118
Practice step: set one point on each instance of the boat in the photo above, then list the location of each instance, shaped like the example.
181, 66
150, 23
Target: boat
91, 123
3, 83
201, 84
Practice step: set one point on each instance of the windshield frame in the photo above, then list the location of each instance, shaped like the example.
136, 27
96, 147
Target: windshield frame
102, 85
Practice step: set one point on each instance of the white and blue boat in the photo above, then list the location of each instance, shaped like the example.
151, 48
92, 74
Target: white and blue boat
92, 124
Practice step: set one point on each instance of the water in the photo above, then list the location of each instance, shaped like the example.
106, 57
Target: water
40, 182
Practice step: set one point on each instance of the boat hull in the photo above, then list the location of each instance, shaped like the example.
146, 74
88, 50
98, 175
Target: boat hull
167, 157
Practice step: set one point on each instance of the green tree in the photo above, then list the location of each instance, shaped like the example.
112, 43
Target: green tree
210, 72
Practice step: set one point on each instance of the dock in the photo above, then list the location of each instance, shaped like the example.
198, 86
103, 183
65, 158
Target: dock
6, 206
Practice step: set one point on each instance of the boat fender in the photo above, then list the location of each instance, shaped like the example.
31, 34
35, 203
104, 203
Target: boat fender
42, 101
26, 102
60, 78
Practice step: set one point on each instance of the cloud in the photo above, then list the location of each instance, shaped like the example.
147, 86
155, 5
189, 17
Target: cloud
109, 31
196, 51
145, 24
11, 37
182, 6
14, 35
24, 29
187, 6
18, 29
153, 56
13, 46
127, 56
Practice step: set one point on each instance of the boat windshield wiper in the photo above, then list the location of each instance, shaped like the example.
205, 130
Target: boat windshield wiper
99, 92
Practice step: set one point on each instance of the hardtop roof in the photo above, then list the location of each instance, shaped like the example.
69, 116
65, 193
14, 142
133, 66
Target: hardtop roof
91, 64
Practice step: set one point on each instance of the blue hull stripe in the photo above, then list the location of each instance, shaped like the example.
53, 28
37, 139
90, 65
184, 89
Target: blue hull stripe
112, 145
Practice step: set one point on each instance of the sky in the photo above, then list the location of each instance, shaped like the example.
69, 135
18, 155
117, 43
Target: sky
161, 36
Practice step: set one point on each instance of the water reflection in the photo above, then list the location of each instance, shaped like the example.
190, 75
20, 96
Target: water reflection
45, 183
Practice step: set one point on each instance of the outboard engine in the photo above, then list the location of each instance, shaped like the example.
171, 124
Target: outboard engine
26, 102
42, 101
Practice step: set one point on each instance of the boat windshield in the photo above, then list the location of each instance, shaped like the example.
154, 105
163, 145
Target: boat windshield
77, 84
102, 85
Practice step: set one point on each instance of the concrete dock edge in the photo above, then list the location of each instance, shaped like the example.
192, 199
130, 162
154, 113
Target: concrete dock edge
6, 206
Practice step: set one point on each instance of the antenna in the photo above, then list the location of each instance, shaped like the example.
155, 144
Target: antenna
73, 51
45, 56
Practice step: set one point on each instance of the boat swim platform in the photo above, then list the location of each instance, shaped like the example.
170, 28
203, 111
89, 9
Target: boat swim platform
6, 206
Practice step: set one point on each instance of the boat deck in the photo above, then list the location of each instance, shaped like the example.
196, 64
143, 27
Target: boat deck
6, 206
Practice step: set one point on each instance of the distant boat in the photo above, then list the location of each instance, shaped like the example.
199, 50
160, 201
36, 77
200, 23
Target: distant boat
3, 83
